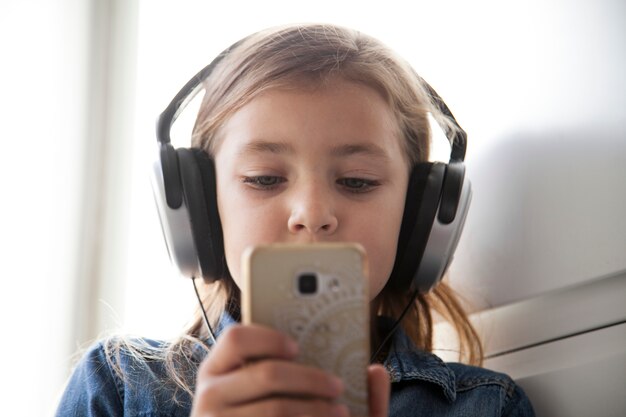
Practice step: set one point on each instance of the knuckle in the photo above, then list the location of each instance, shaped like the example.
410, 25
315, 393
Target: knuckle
268, 373
233, 336
207, 400
207, 390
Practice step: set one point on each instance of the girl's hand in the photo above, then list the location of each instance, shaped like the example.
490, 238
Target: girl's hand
251, 372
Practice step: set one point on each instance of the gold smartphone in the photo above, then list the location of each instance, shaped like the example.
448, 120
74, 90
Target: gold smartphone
318, 294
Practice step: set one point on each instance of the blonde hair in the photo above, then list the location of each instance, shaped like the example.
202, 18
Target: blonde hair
310, 56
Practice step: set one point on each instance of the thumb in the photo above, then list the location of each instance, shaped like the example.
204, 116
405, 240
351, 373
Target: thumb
379, 390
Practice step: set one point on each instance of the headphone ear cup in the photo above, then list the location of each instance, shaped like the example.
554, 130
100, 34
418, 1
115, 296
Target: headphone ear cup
173, 213
198, 182
446, 229
420, 209
437, 204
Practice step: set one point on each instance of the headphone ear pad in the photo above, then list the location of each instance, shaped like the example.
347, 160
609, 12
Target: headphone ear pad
197, 173
437, 204
420, 210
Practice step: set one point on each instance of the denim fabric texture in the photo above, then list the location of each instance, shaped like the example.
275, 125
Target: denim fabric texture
422, 385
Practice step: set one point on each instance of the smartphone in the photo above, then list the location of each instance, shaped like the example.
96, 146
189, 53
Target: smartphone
319, 295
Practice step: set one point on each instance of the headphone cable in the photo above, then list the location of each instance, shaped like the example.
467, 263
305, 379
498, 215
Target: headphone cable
395, 326
206, 319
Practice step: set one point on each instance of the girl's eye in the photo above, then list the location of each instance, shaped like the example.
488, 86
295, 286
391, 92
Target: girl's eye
263, 182
357, 185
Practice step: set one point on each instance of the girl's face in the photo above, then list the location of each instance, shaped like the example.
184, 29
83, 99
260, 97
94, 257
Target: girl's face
323, 165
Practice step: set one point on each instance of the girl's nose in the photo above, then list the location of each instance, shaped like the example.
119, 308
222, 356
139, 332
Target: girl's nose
313, 212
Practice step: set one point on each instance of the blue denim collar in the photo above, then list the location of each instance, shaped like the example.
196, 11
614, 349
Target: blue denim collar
407, 363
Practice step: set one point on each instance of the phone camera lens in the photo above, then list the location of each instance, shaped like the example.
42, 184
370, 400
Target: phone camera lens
307, 284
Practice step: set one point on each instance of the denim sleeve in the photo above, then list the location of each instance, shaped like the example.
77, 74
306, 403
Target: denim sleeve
91, 390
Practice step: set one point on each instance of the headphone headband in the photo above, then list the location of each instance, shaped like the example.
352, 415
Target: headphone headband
185, 95
458, 138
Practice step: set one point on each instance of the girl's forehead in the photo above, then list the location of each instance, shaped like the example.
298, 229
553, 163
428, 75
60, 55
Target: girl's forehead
339, 121
341, 110
314, 85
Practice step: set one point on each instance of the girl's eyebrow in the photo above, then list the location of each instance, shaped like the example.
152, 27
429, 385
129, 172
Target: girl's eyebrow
367, 149
262, 146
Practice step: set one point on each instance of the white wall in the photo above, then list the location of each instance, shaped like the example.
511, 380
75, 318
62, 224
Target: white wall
548, 161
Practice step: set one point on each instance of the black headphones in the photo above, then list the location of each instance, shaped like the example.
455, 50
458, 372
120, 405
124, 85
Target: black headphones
437, 202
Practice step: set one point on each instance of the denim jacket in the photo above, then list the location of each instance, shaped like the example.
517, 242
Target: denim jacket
422, 385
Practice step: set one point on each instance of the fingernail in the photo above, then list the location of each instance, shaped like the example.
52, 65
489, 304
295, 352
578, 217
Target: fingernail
339, 410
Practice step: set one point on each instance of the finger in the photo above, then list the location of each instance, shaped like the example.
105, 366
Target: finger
240, 344
269, 378
288, 407
379, 390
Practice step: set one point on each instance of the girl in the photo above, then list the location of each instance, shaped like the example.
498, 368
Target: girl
313, 132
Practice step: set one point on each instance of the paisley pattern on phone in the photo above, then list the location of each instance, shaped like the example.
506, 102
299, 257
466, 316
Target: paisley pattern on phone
331, 323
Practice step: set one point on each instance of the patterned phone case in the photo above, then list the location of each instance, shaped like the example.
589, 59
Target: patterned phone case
331, 324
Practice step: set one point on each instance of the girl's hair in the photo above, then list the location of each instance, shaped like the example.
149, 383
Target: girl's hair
310, 56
